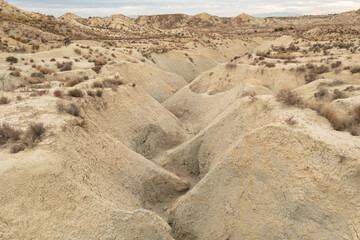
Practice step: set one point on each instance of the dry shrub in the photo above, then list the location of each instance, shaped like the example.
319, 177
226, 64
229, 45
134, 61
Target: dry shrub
355, 69
73, 82
96, 69
37, 75
321, 93
73, 109
58, 93
35, 131
99, 61
231, 66
76, 93
301, 69
98, 84
77, 51
270, 65
321, 69
336, 122
99, 93
17, 148
64, 66
45, 70
310, 77
336, 64
34, 80
110, 83
8, 133
15, 73
332, 84
339, 94
4, 100
11, 59
288, 97
91, 93
355, 114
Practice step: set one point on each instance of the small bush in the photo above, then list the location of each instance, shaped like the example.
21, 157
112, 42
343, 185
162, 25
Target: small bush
76, 93
336, 122
355, 69
12, 59
58, 93
73, 82
288, 97
321, 93
64, 66
98, 84
321, 69
99, 93
96, 69
73, 109
4, 100
100, 61
15, 73
270, 65
356, 114
91, 93
9, 133
231, 66
77, 51
35, 131
336, 64
310, 77
45, 70
110, 83
339, 94
18, 148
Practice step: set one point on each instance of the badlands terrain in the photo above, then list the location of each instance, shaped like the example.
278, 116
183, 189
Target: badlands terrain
179, 127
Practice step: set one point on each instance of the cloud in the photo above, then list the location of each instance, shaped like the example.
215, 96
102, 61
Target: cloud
87, 8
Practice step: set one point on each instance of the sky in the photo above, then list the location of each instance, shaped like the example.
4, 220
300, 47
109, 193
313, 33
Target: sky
222, 8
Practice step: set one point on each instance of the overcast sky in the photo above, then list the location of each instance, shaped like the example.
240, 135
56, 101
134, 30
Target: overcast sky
86, 8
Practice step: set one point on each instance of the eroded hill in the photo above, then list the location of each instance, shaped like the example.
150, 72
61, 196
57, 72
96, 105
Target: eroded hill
179, 127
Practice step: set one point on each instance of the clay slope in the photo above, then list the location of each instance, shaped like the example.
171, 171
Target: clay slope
86, 172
